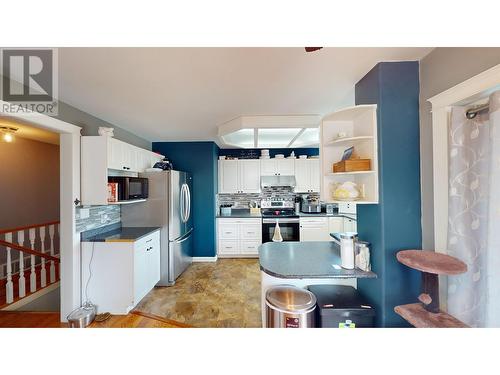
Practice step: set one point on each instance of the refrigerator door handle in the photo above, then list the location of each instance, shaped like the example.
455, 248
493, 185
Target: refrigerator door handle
188, 210
184, 238
183, 203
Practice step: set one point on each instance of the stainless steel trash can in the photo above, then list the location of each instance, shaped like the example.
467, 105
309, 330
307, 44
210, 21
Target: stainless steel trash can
290, 307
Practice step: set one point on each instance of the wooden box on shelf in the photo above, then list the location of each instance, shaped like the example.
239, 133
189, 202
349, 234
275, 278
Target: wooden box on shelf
352, 165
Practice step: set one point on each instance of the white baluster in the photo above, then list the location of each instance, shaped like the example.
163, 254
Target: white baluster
52, 265
32, 237
43, 271
22, 280
9, 288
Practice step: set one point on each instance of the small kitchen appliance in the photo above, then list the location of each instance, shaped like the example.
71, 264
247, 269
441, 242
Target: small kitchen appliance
130, 188
310, 205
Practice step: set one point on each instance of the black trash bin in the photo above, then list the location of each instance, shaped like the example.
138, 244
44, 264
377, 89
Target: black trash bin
341, 306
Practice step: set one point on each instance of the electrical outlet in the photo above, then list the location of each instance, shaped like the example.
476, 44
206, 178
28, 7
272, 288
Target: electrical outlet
84, 213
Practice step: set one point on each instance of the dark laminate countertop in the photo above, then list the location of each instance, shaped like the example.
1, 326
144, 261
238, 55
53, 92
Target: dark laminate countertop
121, 234
239, 213
323, 214
305, 260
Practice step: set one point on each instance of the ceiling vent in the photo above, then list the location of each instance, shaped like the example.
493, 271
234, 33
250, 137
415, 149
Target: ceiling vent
271, 132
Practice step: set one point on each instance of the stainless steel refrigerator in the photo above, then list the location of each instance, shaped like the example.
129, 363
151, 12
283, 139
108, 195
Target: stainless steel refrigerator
168, 207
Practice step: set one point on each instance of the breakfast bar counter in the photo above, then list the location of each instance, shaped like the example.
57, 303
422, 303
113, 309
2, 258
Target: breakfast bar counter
302, 264
310, 259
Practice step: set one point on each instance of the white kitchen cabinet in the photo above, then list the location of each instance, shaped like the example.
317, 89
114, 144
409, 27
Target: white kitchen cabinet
350, 225
277, 167
106, 156
249, 175
268, 167
336, 224
238, 237
122, 272
314, 229
239, 176
307, 175
228, 176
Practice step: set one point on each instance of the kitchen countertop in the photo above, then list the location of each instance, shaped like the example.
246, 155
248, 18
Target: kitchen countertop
305, 260
240, 215
120, 234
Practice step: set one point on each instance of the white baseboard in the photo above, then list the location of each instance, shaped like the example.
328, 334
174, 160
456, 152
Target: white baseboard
204, 259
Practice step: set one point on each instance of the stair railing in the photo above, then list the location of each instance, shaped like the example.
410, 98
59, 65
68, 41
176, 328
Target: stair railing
14, 271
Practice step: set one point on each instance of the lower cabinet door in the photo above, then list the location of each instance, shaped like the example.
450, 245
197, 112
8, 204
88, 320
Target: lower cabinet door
336, 224
228, 248
141, 273
153, 263
250, 247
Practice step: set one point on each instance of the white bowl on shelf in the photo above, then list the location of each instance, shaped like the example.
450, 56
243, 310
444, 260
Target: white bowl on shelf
279, 156
302, 156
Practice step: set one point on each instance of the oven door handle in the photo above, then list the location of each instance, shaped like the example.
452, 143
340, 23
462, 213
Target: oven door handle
284, 221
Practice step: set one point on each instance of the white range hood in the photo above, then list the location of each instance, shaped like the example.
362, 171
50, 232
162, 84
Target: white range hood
271, 132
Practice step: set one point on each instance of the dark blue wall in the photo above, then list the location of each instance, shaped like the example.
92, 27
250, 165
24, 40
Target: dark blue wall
395, 223
238, 152
199, 158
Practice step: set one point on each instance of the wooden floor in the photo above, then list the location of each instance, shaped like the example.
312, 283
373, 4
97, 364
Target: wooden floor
15, 319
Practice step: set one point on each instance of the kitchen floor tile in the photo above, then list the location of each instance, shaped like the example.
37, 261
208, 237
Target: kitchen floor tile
225, 293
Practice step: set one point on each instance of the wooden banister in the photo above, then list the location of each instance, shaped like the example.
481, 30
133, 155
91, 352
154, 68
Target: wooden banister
9, 230
28, 250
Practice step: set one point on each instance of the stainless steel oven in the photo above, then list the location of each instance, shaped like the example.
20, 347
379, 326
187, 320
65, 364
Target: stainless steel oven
289, 227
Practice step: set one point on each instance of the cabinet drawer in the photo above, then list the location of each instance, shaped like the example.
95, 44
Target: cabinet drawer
250, 232
151, 239
250, 247
316, 222
228, 247
228, 231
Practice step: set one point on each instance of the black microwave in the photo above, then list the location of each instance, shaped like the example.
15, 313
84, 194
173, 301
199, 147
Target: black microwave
130, 187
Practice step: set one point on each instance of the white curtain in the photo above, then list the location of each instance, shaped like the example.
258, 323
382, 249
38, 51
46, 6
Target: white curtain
474, 215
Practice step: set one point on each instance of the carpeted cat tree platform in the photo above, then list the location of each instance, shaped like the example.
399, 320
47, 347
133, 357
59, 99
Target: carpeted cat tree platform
427, 314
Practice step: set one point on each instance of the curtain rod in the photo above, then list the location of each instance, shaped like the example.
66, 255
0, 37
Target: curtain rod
473, 111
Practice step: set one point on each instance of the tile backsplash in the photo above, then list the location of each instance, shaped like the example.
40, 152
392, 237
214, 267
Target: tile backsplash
99, 216
238, 200
242, 200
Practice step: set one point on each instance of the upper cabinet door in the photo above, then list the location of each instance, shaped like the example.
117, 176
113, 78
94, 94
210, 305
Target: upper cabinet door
285, 167
249, 176
315, 179
115, 153
268, 167
228, 176
302, 176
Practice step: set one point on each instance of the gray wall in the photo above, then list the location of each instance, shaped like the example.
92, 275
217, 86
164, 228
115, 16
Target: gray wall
439, 70
90, 125
29, 187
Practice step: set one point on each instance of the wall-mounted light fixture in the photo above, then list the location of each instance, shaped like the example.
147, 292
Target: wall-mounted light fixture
8, 133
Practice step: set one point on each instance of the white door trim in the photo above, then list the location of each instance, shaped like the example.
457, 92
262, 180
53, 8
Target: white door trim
472, 89
69, 154
468, 91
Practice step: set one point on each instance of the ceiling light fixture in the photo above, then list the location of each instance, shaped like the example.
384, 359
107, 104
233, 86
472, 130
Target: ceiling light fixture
288, 131
8, 133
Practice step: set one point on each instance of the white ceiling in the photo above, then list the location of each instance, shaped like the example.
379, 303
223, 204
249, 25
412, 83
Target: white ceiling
165, 94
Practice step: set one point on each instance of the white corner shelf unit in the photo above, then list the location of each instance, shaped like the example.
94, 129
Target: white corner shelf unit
359, 124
